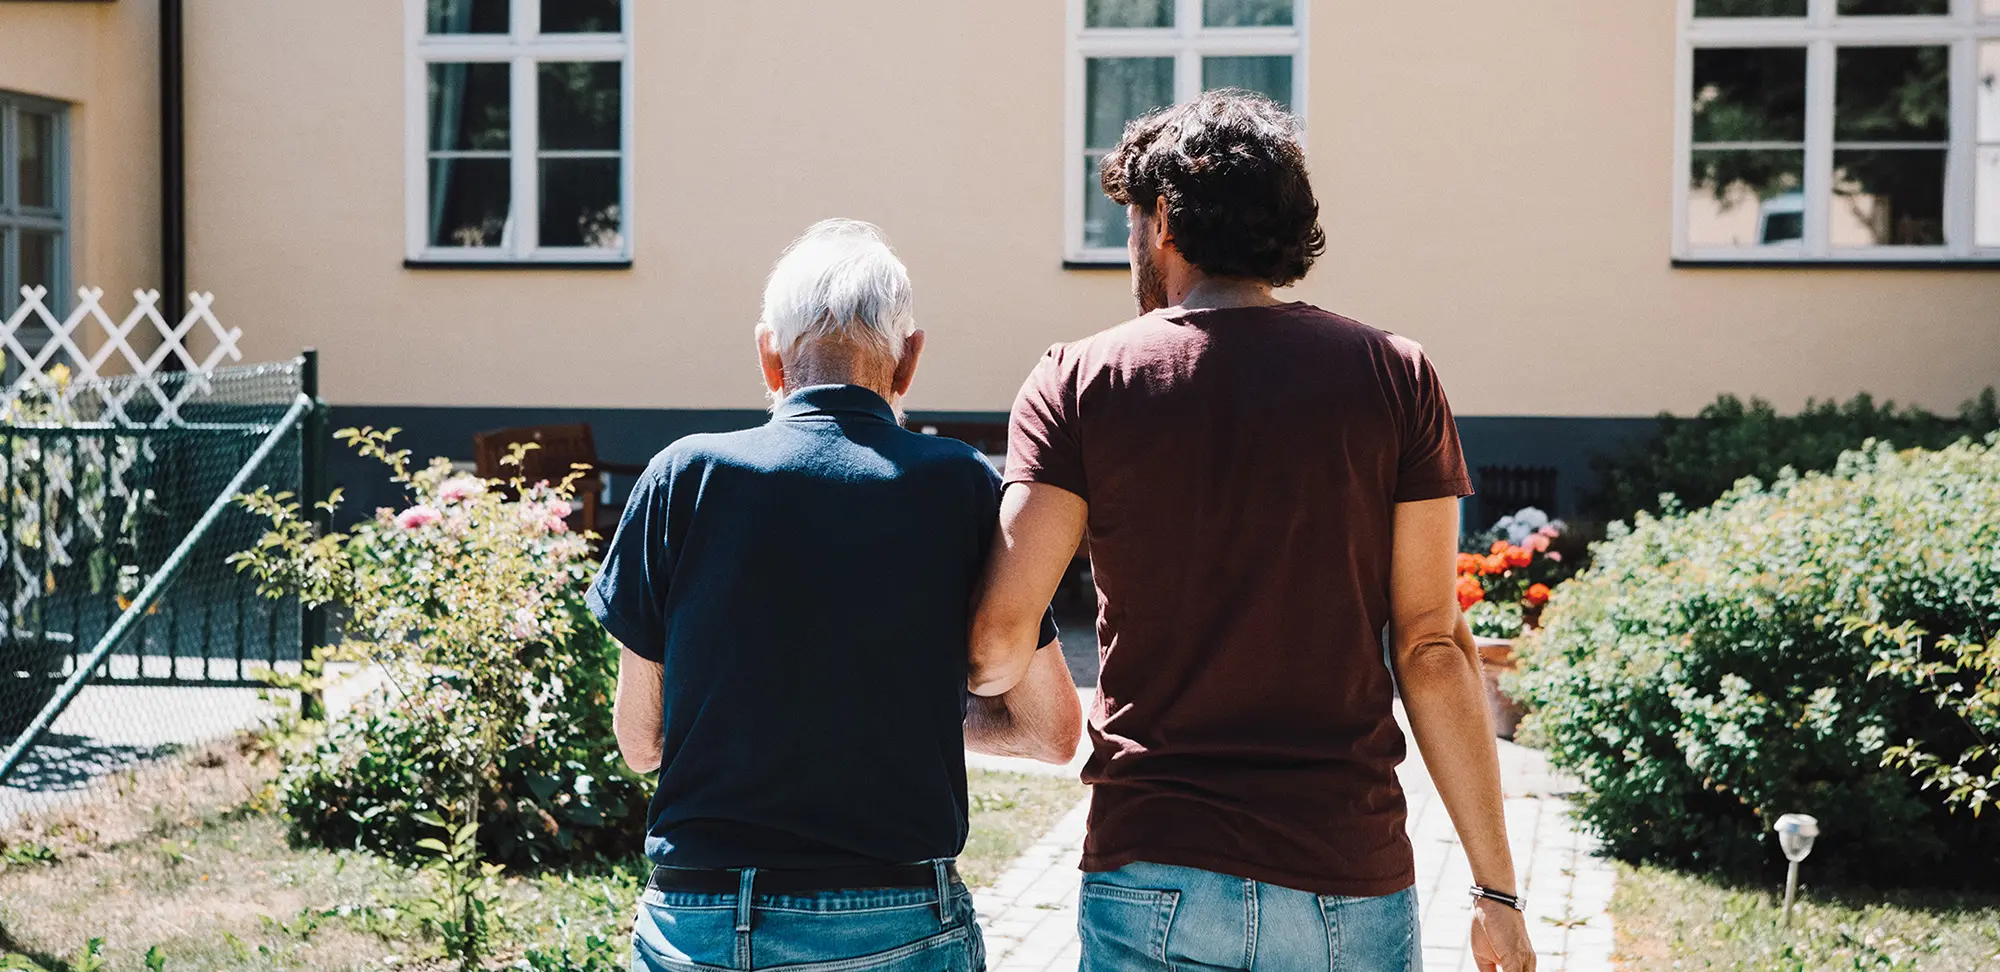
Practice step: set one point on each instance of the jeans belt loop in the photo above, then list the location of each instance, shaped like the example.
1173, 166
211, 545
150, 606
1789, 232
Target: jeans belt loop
745, 886
944, 893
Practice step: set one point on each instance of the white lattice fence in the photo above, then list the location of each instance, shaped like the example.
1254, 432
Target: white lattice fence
79, 395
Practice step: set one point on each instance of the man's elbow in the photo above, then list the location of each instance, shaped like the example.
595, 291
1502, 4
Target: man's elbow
1432, 662
640, 759
1001, 654
1060, 746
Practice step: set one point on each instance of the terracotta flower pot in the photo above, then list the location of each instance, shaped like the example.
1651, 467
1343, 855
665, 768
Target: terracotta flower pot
1496, 656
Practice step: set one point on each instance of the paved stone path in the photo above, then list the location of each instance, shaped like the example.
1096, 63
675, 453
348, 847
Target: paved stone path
1030, 913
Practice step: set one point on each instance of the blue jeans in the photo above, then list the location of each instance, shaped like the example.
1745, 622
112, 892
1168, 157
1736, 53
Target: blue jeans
1153, 917
871, 930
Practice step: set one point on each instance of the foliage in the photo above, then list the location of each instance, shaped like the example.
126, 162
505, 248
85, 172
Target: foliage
1697, 460
500, 682
1490, 619
1713, 670
462, 908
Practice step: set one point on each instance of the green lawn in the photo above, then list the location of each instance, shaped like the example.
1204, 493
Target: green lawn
187, 858
1672, 921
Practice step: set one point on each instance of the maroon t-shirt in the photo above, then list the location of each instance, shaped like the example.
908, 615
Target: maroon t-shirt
1242, 468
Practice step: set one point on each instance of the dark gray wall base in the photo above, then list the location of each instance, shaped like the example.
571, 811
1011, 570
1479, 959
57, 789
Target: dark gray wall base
635, 435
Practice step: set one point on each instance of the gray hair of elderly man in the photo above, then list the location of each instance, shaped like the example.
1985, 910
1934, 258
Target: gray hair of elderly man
840, 282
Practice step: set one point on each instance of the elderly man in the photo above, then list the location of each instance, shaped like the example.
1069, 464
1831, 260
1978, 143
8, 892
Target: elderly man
1267, 487
793, 602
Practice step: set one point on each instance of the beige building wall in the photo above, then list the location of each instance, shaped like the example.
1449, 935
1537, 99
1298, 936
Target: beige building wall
101, 59
1496, 183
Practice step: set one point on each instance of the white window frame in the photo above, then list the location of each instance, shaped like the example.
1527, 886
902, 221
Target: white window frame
1187, 42
1822, 32
15, 218
523, 48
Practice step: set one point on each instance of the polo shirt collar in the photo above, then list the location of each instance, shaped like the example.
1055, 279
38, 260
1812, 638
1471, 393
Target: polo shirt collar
838, 401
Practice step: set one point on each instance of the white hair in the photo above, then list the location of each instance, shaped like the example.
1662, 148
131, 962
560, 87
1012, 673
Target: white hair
840, 280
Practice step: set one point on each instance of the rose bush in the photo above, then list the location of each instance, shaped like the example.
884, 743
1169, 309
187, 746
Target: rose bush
497, 681
1822, 645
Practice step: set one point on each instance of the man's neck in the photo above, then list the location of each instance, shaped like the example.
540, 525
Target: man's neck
1200, 292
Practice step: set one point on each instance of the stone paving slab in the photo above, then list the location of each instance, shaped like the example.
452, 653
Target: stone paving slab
1029, 914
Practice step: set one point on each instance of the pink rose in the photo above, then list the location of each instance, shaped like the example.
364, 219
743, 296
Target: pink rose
555, 524
460, 488
560, 508
1551, 531
418, 516
1555, 556
1537, 542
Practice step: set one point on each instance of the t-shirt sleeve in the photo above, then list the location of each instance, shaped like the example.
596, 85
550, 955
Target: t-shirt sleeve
1042, 444
629, 596
1432, 465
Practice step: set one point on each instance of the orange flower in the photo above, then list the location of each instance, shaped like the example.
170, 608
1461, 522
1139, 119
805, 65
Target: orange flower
1469, 563
1519, 556
1494, 564
1499, 546
1470, 592
1537, 595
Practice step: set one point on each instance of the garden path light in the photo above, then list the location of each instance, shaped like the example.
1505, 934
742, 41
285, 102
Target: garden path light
1796, 832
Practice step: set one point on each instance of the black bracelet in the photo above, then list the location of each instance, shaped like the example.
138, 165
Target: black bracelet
1514, 901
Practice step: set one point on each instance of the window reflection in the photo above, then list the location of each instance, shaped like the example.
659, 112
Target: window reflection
1269, 76
469, 202
1128, 13
35, 160
579, 200
1750, 8
579, 104
581, 17
1246, 13
469, 107
1892, 122
1894, 8
1116, 90
1746, 198
466, 17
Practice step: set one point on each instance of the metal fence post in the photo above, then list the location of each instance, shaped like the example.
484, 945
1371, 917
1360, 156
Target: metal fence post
314, 489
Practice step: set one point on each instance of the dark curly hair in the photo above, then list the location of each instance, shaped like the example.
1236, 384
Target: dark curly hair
1229, 165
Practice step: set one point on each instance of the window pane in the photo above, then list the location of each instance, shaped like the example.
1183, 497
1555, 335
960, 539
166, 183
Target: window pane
1894, 8
580, 203
1119, 89
581, 17
37, 155
468, 107
39, 253
1987, 232
1750, 94
1269, 76
1892, 94
1746, 198
1888, 197
1104, 223
1749, 8
469, 202
1246, 13
1989, 91
579, 104
467, 17
1128, 13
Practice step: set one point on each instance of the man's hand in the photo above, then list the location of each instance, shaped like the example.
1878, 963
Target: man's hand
1040, 718
1040, 528
1500, 939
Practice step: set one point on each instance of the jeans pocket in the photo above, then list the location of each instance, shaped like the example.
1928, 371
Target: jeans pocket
1124, 928
1372, 934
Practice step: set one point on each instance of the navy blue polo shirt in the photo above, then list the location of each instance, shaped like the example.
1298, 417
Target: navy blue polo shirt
807, 586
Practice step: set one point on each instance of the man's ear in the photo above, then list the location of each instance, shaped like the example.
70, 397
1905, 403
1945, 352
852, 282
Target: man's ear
1163, 238
906, 369
769, 359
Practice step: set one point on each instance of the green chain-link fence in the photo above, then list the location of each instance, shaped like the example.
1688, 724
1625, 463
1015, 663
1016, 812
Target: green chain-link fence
124, 635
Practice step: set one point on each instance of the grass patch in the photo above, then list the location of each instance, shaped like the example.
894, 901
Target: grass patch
1667, 920
186, 857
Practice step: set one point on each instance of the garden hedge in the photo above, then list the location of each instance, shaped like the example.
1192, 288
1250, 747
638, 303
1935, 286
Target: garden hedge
1789, 649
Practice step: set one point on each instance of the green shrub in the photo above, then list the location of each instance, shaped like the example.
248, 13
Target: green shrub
1697, 460
1715, 669
496, 714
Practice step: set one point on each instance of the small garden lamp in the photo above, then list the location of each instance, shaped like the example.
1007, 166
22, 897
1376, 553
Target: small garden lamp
1796, 832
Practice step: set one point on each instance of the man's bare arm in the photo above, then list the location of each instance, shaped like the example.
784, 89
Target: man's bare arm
1437, 667
1040, 718
637, 711
1040, 527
